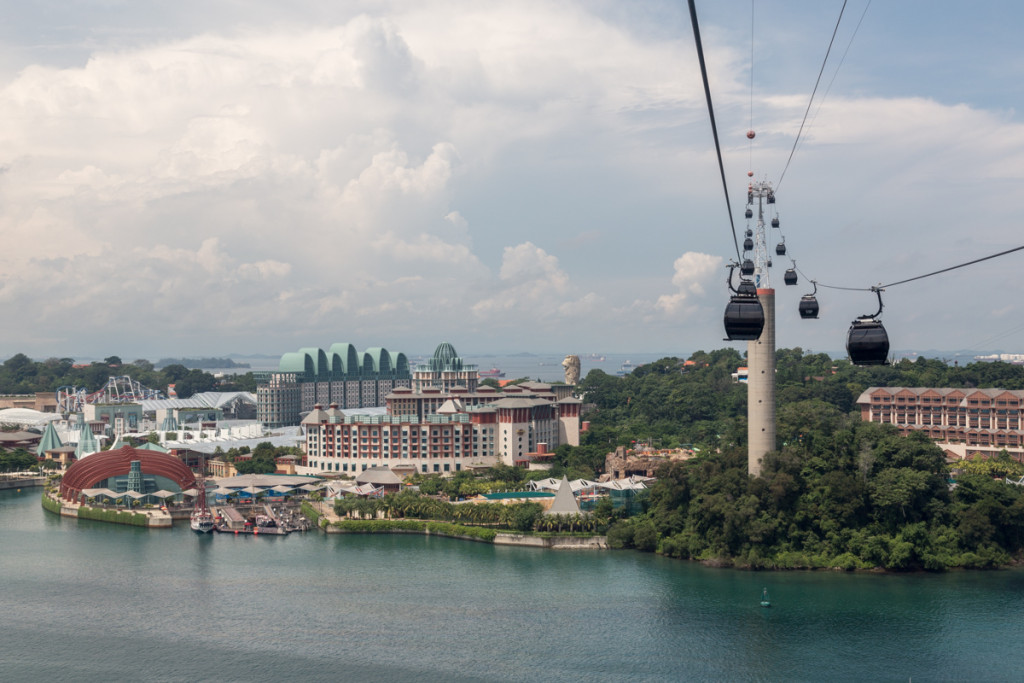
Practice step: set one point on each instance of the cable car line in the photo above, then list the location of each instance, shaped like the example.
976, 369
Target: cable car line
946, 270
842, 60
714, 127
750, 129
811, 100
918, 277
998, 335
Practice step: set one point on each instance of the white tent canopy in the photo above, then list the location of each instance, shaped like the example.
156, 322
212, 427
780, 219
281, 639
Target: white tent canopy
94, 493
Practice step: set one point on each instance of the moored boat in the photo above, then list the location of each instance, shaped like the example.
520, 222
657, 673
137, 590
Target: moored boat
493, 372
201, 521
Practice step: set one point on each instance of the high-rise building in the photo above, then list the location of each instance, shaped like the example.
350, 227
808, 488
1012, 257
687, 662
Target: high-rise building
341, 375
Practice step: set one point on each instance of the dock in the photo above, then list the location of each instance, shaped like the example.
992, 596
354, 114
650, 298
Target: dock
265, 520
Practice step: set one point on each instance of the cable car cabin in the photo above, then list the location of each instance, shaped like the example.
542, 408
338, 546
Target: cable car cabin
748, 233
771, 197
746, 288
747, 267
748, 244
769, 263
780, 249
790, 277
867, 343
744, 317
775, 222
749, 213
808, 306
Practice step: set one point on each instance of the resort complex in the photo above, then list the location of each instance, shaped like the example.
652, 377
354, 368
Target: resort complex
340, 375
963, 422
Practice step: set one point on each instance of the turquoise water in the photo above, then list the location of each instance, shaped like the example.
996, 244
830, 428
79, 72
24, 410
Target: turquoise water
88, 601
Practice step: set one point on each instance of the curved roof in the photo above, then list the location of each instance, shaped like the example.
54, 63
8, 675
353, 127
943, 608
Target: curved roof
318, 359
203, 399
26, 417
297, 362
88, 472
344, 359
445, 358
377, 360
401, 364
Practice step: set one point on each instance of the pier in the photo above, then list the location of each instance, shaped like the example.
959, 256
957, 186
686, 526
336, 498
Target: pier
266, 519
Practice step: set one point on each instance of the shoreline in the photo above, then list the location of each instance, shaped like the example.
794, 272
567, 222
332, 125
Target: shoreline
29, 482
333, 524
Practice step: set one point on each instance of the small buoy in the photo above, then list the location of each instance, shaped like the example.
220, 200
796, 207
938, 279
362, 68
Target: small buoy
750, 135
236, 532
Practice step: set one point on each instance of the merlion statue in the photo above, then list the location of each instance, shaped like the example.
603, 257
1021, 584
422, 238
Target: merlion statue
572, 369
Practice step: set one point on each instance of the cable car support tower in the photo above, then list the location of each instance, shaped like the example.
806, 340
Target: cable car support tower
761, 351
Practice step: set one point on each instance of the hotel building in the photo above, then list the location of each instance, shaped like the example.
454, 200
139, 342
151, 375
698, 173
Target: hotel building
963, 422
341, 375
443, 431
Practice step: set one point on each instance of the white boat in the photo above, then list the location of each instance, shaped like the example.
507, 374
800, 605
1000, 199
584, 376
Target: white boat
202, 522
201, 519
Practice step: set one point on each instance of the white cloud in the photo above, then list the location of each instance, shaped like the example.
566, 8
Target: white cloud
532, 287
303, 178
693, 273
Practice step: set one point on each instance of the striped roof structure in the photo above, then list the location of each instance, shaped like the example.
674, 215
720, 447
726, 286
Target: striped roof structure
85, 474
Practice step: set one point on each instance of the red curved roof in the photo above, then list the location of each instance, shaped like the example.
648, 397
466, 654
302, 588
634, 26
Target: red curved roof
91, 470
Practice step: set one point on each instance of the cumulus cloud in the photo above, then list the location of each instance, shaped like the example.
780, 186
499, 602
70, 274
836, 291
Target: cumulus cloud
534, 293
693, 273
393, 172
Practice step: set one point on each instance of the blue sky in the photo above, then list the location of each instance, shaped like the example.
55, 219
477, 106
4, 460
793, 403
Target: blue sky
215, 177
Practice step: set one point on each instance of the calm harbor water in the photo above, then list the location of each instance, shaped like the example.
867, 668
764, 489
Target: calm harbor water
87, 601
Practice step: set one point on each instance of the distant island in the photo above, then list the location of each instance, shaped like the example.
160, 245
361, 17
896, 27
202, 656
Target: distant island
200, 363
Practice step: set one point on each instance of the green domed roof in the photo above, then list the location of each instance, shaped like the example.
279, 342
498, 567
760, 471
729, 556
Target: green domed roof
445, 358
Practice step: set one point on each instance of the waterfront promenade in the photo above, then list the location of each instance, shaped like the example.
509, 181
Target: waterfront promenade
552, 542
18, 482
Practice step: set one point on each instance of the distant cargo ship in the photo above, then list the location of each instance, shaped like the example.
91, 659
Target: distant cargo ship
493, 372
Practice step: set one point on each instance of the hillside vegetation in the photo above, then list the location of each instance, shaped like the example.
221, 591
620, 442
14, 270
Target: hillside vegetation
19, 374
836, 493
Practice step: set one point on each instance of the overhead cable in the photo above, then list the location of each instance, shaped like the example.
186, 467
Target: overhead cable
841, 61
811, 100
918, 277
714, 127
960, 265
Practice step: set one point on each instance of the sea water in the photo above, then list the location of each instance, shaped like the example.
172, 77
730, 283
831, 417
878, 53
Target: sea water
89, 601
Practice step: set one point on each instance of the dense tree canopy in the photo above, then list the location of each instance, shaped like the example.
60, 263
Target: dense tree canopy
19, 374
674, 402
836, 493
